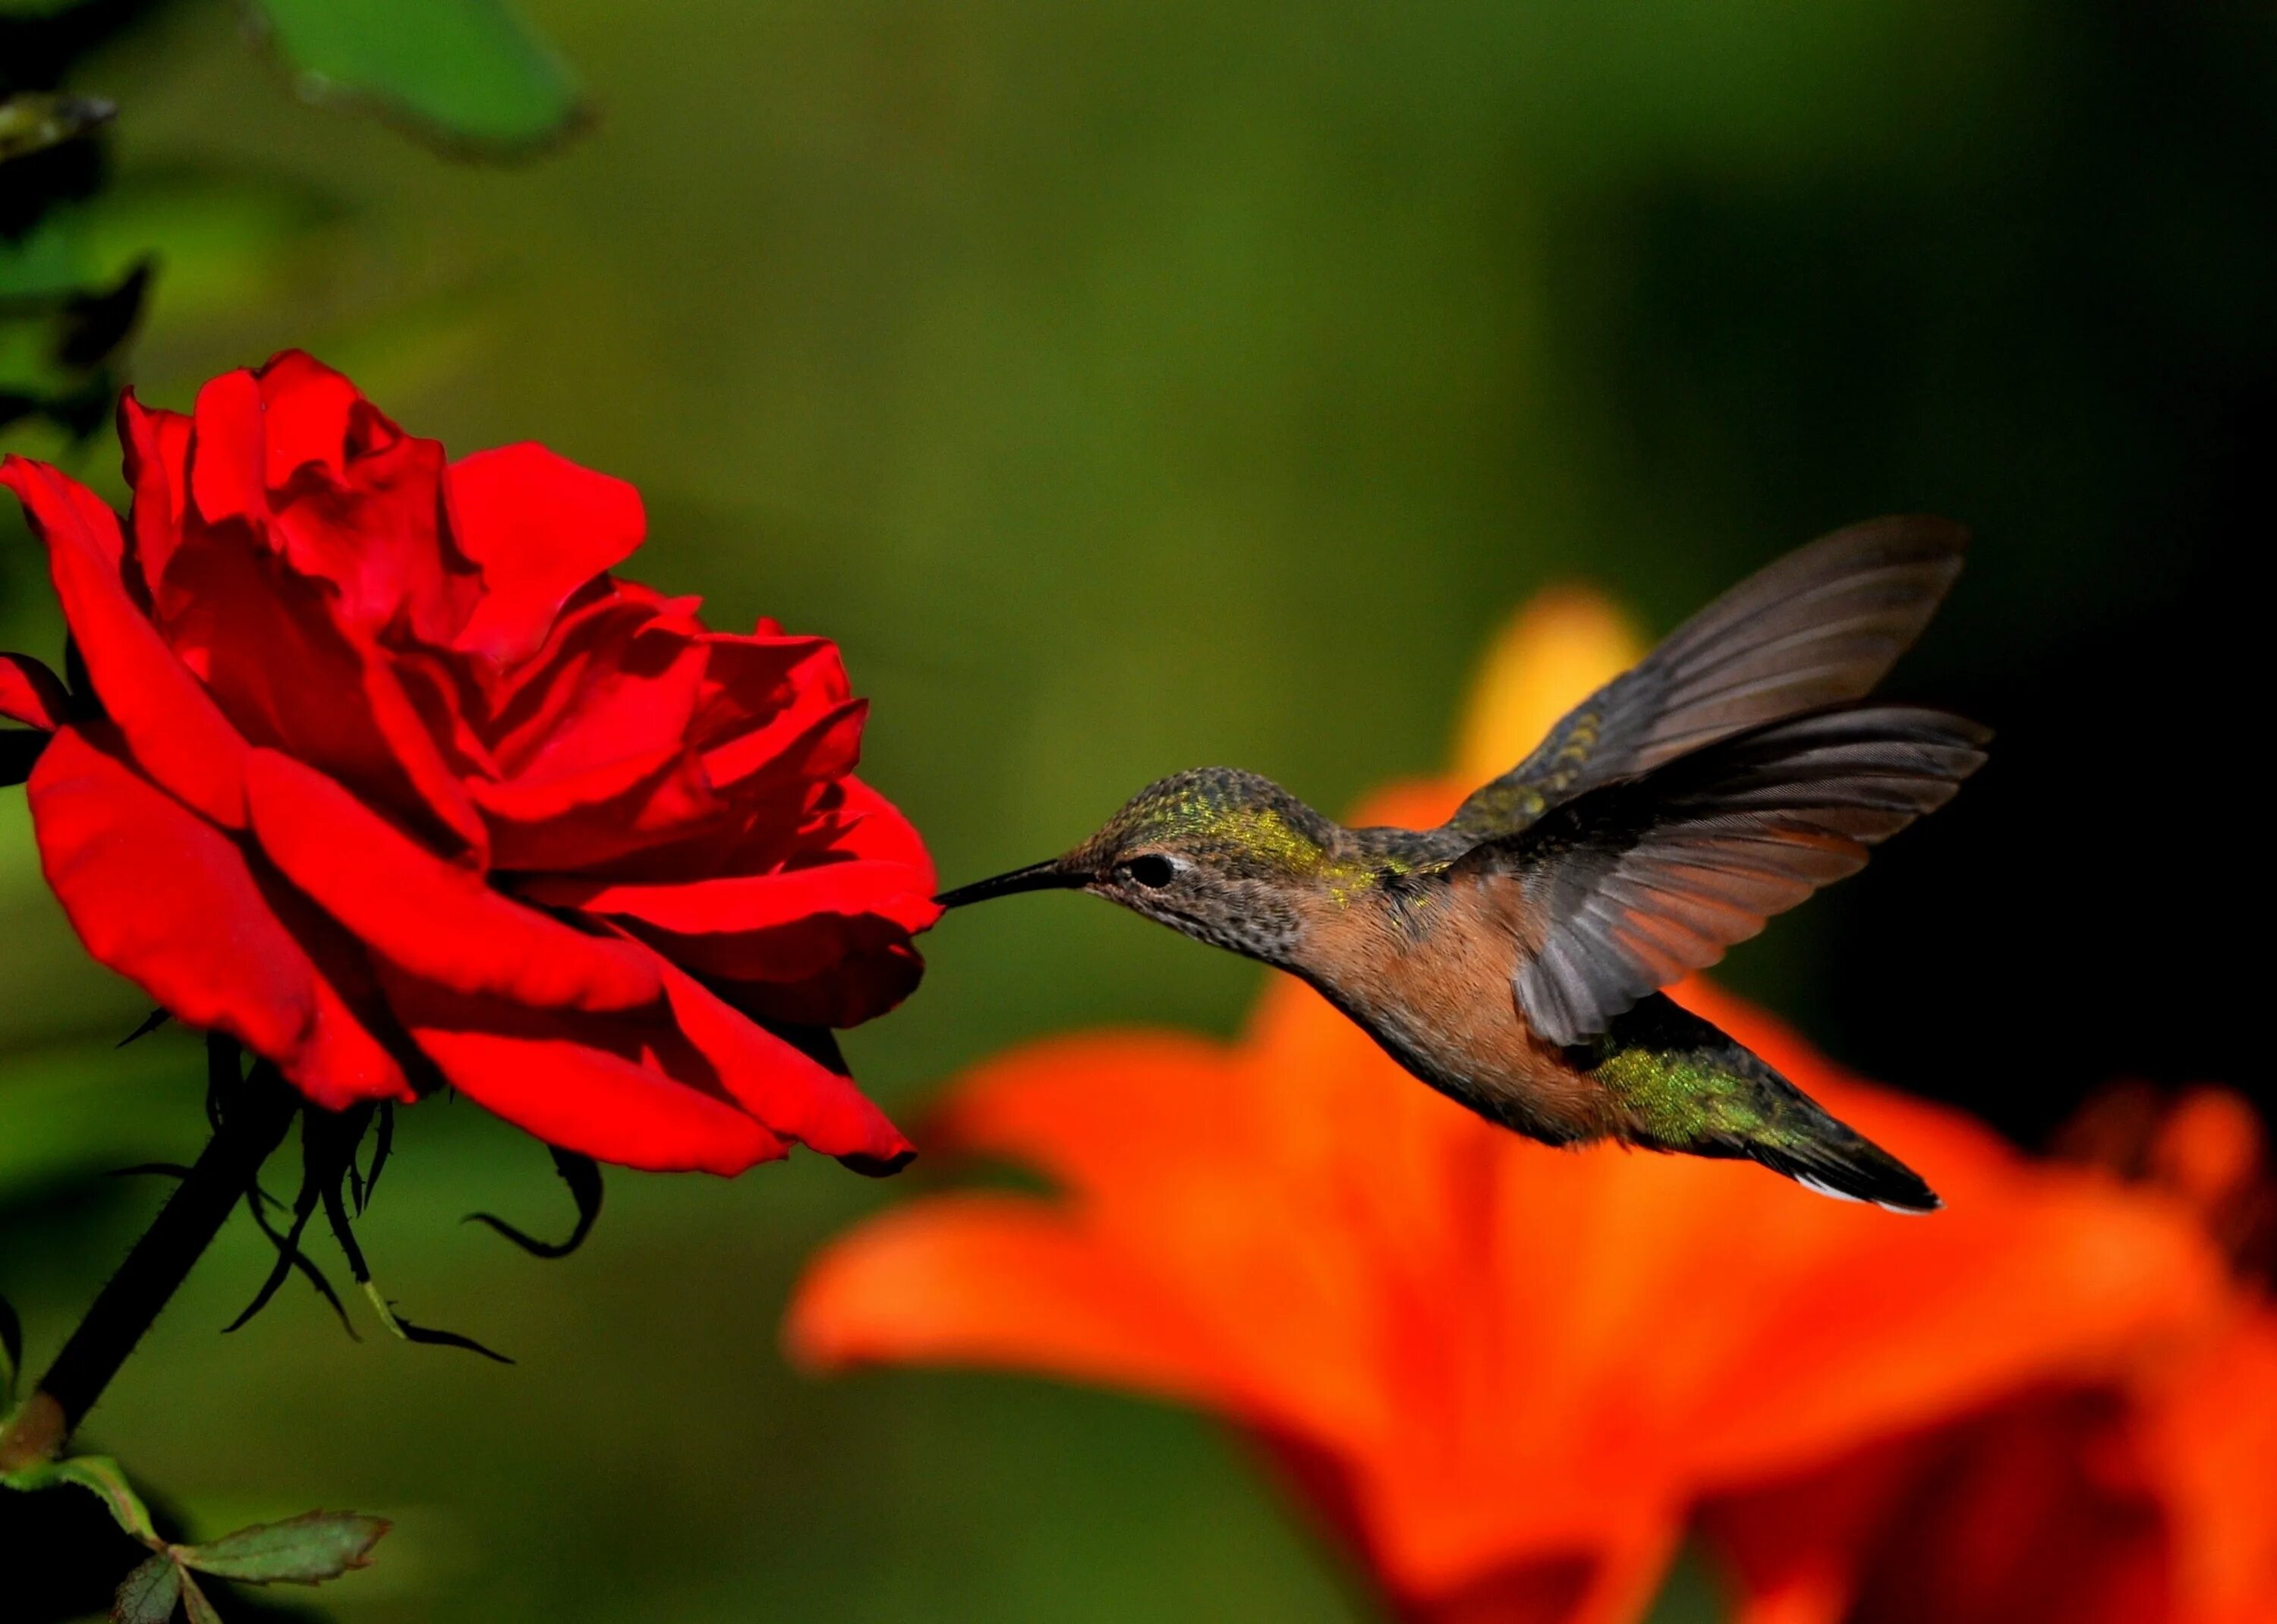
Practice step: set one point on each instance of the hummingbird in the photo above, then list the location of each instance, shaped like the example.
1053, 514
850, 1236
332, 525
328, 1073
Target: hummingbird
1513, 957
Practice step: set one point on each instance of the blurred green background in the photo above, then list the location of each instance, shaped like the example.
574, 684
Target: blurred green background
1130, 386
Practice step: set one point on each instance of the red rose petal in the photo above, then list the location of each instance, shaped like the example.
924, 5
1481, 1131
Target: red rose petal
590, 647
748, 679
30, 693
308, 410
168, 901
827, 945
431, 681
794, 1094
380, 540
735, 905
807, 935
856, 970
422, 914
870, 826
176, 732
580, 1084
591, 740
798, 744
853, 955
598, 816
264, 638
776, 707
226, 452
540, 527
157, 467
628, 705
540, 800
370, 522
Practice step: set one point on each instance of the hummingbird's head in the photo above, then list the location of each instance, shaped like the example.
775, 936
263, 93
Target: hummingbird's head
1225, 856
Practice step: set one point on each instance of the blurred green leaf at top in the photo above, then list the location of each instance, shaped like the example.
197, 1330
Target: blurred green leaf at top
468, 75
63, 321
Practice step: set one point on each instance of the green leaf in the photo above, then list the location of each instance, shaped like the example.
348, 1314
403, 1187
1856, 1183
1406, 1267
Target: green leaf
307, 1549
149, 1593
61, 324
469, 73
34, 123
194, 1603
98, 1475
224, 244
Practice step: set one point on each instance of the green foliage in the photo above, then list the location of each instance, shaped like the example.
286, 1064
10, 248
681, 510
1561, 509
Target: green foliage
150, 1593
221, 243
308, 1549
61, 327
196, 1608
468, 73
99, 1475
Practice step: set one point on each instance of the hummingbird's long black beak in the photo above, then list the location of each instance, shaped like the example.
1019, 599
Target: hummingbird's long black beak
1048, 876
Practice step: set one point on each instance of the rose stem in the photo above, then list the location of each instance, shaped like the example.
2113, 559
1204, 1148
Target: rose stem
254, 1114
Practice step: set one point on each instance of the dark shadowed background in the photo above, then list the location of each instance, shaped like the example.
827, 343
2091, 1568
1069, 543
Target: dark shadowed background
1133, 386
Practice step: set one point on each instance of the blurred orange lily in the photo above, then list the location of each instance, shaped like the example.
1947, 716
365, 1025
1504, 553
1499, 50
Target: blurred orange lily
2144, 1499
1512, 1378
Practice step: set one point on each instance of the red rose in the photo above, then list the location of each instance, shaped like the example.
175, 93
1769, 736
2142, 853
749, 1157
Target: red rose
377, 768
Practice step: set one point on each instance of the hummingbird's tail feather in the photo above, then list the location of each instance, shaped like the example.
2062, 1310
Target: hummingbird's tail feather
1835, 1159
1683, 1085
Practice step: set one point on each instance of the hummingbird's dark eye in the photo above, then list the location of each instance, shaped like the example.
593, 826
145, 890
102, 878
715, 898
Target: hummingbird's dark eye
1152, 872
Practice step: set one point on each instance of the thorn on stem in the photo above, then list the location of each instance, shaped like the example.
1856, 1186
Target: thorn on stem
151, 1022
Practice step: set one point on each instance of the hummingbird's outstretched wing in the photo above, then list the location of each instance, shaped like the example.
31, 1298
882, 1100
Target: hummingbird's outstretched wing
1819, 626
1631, 885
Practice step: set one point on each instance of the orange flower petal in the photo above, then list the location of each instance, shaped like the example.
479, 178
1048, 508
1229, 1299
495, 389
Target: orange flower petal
1549, 657
2210, 1432
999, 1282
